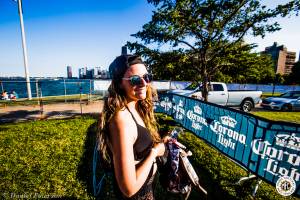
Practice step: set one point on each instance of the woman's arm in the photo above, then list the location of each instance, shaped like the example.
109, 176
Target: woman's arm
129, 178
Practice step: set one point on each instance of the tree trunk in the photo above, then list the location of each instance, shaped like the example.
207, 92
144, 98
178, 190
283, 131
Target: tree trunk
205, 85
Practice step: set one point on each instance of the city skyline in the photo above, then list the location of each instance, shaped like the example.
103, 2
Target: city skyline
81, 34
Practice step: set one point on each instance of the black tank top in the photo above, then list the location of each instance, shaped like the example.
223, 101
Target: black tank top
143, 143
141, 149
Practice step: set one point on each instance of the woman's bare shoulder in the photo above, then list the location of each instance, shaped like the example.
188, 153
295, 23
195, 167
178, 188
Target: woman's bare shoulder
122, 120
122, 125
122, 116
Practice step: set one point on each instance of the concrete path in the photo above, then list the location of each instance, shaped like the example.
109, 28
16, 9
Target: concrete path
50, 111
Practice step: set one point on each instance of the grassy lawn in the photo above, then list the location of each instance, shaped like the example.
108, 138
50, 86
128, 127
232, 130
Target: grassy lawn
270, 94
47, 158
280, 116
54, 157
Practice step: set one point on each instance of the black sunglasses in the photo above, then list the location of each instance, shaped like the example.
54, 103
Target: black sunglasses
137, 80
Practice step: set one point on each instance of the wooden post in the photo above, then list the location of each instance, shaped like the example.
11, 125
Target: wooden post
90, 95
2, 86
37, 91
80, 100
65, 90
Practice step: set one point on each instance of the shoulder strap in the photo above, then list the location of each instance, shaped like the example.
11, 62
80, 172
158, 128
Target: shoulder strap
131, 115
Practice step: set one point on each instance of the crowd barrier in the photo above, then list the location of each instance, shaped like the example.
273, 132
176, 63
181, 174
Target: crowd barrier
266, 148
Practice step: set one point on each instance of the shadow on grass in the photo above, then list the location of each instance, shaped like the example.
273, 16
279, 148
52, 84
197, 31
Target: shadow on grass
212, 183
25, 115
15, 116
85, 168
65, 113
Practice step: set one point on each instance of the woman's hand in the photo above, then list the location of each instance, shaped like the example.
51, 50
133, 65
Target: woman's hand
166, 139
159, 148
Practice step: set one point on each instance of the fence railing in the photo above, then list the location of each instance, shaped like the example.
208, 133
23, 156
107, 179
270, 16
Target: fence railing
49, 87
65, 87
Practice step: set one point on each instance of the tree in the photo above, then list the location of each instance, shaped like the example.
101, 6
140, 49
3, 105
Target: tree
279, 79
170, 65
207, 30
294, 76
248, 68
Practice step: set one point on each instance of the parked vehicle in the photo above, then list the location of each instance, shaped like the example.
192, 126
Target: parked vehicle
288, 101
219, 94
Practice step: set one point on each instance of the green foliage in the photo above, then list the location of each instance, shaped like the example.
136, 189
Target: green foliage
247, 67
46, 158
209, 31
171, 65
279, 79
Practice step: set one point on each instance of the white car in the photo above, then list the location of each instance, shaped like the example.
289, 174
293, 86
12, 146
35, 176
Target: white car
289, 101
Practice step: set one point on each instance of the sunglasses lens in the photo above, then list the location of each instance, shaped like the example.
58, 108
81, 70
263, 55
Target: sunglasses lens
135, 80
148, 78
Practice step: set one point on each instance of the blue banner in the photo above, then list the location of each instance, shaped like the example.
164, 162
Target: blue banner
267, 148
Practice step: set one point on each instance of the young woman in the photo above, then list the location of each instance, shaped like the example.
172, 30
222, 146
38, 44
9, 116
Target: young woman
128, 137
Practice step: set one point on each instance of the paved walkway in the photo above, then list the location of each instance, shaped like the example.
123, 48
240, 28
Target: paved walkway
35, 112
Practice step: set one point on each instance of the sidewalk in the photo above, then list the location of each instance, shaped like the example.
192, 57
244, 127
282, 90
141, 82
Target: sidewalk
50, 111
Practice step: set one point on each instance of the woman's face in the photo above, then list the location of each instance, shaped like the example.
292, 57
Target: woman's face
135, 92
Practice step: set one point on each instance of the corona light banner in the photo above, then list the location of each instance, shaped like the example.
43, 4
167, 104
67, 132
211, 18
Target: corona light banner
268, 149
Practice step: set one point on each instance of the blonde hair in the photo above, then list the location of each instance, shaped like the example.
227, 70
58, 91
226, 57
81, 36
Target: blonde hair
116, 101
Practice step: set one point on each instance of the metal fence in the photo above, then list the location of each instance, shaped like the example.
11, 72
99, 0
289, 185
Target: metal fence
49, 87
79, 94
264, 88
66, 87
50, 98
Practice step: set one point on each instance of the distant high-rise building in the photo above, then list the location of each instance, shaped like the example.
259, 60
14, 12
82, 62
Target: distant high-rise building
93, 73
82, 72
90, 73
124, 50
284, 60
69, 71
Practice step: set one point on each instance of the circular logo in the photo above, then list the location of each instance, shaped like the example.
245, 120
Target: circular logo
285, 186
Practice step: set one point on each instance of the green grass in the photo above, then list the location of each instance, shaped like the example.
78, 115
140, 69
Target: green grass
54, 157
46, 158
270, 94
280, 116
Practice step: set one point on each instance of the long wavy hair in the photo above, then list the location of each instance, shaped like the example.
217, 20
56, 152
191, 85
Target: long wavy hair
116, 101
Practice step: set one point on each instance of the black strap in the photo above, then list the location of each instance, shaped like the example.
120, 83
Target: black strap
132, 115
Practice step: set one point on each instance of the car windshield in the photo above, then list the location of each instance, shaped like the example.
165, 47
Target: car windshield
291, 95
192, 86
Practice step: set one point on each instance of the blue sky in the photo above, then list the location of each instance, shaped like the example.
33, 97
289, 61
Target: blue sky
87, 33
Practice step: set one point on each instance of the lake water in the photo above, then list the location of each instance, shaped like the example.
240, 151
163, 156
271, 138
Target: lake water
48, 87
56, 87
